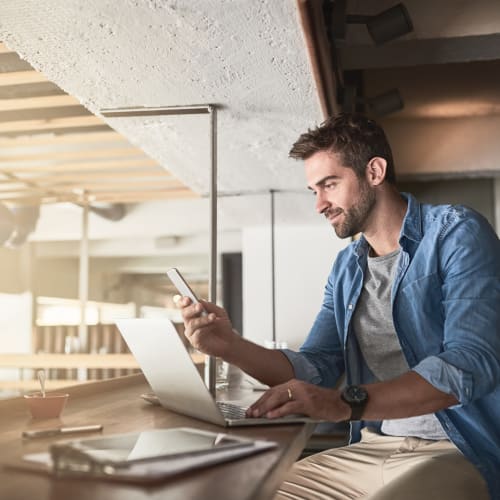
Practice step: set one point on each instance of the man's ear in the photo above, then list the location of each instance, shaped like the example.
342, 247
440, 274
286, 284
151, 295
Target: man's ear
376, 170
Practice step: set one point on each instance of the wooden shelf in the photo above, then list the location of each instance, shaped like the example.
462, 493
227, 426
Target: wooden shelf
75, 360
68, 361
34, 385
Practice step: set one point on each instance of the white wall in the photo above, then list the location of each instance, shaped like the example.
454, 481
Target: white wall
15, 328
304, 256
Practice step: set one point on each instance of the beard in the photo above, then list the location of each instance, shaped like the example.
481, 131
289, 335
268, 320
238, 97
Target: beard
355, 217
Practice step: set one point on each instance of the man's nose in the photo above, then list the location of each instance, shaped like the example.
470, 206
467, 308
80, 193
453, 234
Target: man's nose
321, 202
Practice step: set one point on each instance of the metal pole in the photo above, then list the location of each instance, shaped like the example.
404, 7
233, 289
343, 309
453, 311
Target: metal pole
273, 274
211, 362
83, 281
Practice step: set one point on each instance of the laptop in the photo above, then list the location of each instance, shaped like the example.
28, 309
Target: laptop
174, 378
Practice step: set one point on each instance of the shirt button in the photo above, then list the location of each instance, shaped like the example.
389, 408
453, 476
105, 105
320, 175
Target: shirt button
349, 307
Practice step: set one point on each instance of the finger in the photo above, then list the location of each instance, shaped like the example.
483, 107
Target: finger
212, 308
270, 400
190, 310
181, 301
254, 409
196, 339
198, 323
289, 408
269, 393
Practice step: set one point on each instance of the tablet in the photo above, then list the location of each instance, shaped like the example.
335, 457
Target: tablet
125, 449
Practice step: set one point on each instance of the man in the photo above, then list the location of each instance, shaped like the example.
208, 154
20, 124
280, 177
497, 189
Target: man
410, 316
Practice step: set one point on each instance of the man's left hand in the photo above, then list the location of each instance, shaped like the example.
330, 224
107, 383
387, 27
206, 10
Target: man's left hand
297, 397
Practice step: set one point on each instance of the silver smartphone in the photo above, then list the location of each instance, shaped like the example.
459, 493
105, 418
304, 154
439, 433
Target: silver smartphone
182, 287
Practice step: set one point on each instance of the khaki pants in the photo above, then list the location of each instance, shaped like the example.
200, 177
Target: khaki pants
386, 468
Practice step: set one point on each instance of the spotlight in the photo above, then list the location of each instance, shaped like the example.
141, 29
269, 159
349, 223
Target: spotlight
380, 105
386, 26
386, 103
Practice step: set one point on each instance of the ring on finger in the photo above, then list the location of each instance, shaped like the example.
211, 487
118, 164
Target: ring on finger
290, 396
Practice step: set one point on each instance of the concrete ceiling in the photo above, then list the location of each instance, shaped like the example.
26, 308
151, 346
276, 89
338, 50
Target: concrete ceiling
247, 57
250, 58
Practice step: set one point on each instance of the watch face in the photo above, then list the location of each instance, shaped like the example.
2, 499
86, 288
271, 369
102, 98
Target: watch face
355, 394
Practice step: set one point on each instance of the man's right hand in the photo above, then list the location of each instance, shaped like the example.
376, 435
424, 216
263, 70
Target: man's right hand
211, 334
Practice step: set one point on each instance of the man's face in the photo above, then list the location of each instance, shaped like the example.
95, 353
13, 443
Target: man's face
344, 199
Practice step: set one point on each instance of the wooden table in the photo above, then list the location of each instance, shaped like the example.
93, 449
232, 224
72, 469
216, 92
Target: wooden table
116, 404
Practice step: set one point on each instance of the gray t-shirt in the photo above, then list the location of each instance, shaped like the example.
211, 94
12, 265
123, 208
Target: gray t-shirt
379, 344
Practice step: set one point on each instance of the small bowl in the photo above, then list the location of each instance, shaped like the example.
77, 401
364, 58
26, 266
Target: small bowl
50, 406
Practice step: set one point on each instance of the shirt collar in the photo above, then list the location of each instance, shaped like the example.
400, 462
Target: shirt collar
412, 223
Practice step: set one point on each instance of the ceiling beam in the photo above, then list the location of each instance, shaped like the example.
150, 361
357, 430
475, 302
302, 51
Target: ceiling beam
80, 166
83, 176
75, 154
320, 57
110, 197
153, 190
4, 49
51, 101
28, 90
118, 185
91, 190
113, 197
21, 77
54, 140
56, 123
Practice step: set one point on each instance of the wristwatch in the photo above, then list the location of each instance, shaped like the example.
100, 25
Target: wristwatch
356, 397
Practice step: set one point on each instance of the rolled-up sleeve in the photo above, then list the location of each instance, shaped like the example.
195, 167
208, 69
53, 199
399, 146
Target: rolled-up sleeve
446, 378
303, 369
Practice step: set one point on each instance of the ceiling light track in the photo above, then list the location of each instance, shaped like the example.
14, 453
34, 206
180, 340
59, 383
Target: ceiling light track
192, 109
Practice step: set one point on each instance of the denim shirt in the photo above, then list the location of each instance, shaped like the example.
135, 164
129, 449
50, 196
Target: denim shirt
446, 312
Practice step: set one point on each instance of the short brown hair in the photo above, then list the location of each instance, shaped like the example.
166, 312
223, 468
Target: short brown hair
356, 138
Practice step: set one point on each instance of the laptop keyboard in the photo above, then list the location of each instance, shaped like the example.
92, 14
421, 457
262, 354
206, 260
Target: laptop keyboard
231, 411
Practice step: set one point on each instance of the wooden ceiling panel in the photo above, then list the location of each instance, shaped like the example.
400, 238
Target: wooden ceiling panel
10, 62
39, 102
36, 114
21, 77
4, 49
29, 90
99, 138
75, 154
52, 149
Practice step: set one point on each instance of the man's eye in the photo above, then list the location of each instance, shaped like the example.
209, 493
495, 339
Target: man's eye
330, 185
